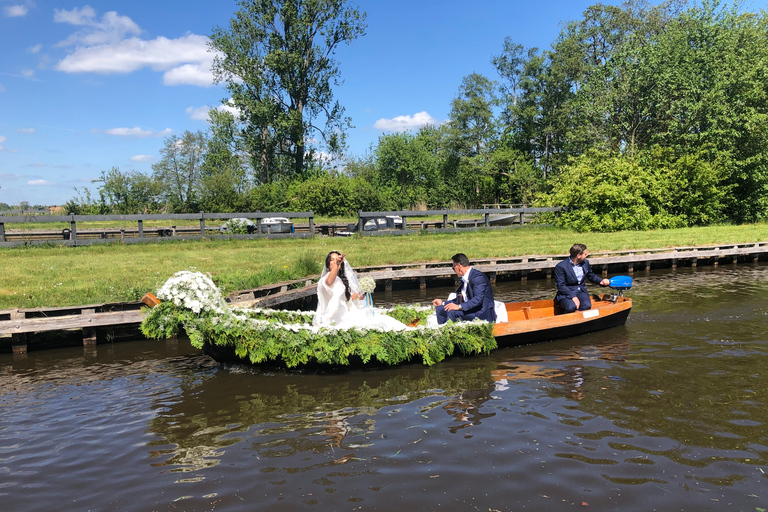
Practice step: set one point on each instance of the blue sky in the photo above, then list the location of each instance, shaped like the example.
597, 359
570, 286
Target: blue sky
85, 87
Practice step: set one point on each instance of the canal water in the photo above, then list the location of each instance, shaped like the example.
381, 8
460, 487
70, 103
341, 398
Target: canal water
669, 412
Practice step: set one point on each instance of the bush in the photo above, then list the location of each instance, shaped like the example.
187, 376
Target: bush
604, 192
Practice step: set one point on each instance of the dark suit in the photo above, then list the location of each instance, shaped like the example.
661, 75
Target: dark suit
569, 287
479, 303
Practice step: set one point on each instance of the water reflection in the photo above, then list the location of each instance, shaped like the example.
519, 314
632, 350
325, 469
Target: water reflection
667, 412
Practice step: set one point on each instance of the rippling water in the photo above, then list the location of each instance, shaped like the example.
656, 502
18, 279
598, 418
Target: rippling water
666, 413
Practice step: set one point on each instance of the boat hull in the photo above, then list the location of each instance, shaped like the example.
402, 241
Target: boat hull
539, 321
529, 322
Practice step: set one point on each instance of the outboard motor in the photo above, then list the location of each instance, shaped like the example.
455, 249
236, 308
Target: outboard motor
620, 283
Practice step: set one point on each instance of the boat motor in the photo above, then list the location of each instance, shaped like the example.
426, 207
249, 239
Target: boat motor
620, 283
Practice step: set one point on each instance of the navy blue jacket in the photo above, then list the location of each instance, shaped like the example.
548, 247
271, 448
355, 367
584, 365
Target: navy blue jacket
479, 296
567, 284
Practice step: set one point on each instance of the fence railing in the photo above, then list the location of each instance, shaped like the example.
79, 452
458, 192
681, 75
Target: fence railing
69, 235
518, 216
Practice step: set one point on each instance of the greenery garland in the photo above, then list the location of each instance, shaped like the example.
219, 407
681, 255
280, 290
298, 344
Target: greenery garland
287, 337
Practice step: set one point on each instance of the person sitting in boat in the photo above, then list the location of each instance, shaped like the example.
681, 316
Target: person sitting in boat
340, 303
571, 275
474, 296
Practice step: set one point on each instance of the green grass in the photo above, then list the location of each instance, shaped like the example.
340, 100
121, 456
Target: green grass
51, 275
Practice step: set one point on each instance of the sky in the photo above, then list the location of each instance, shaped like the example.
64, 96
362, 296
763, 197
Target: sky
85, 87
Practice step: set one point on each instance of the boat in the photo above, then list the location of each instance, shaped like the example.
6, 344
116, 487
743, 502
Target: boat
543, 320
286, 339
277, 225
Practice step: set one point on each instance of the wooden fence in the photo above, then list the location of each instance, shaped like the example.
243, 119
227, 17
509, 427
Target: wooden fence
69, 236
508, 215
33, 226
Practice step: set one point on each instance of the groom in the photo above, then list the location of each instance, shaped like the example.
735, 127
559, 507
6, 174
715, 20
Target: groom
474, 296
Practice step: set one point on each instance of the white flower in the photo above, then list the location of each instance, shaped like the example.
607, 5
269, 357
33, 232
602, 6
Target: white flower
367, 284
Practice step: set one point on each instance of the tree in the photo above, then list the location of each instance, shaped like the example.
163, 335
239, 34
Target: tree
471, 122
128, 192
276, 59
179, 170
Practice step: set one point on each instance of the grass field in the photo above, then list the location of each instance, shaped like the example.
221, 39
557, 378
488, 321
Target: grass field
48, 275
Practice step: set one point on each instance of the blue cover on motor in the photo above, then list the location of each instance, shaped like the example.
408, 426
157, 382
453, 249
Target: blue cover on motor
621, 282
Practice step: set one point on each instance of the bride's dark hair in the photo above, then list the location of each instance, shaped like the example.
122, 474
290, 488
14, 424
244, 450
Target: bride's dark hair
342, 273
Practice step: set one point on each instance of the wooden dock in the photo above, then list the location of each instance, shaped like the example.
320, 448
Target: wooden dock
21, 327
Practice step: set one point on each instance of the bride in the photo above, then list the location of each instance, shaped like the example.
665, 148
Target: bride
340, 303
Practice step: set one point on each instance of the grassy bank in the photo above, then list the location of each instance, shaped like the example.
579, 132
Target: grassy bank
57, 276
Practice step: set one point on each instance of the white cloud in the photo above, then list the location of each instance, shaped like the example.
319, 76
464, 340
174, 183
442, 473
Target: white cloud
136, 132
76, 16
16, 11
105, 46
3, 138
198, 113
2, 89
110, 29
143, 158
405, 123
191, 74
28, 73
25, 130
39, 183
35, 49
201, 113
37, 164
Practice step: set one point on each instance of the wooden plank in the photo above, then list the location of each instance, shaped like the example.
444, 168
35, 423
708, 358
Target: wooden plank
28, 325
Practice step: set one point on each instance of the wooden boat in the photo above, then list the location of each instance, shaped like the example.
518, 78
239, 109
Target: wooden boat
288, 339
542, 320
528, 322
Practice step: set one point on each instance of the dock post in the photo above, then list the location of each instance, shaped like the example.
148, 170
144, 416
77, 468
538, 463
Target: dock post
549, 270
523, 276
422, 283
492, 278
694, 262
388, 286
202, 224
674, 263
2, 231
141, 228
605, 271
18, 341
631, 269
312, 223
89, 333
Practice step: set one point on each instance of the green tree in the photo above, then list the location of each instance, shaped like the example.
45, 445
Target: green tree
179, 170
129, 192
276, 60
471, 124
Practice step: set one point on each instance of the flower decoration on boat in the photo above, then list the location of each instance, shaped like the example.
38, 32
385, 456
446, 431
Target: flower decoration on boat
193, 290
367, 284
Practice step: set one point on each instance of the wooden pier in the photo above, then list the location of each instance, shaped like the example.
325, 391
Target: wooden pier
21, 327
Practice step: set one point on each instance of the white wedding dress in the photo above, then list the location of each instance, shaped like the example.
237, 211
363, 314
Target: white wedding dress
334, 310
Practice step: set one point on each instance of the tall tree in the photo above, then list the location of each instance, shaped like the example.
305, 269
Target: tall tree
471, 122
276, 59
179, 169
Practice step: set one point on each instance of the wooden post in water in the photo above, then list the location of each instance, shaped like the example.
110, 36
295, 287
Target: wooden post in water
2, 231
422, 283
89, 333
141, 228
312, 223
631, 269
18, 341
202, 224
